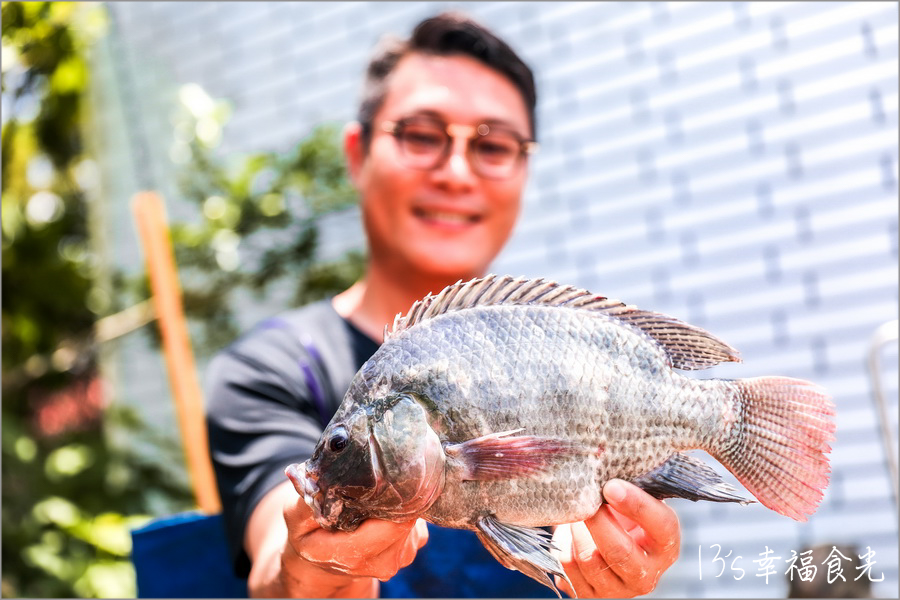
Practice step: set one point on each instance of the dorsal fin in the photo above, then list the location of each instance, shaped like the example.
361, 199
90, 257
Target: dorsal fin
687, 346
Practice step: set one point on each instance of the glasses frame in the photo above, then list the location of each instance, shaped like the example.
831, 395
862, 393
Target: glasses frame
526, 146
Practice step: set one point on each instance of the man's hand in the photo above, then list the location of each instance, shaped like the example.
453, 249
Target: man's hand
376, 549
293, 557
623, 549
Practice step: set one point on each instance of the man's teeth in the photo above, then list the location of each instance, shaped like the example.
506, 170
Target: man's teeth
447, 217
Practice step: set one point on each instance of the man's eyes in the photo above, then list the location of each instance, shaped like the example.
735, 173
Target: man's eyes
424, 137
493, 147
496, 147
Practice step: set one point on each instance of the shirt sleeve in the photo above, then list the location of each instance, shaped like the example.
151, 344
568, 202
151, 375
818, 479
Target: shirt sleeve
261, 417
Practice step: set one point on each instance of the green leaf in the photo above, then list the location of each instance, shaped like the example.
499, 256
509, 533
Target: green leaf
70, 76
58, 511
107, 579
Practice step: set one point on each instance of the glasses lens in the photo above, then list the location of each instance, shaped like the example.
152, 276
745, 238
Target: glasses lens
425, 143
422, 142
497, 150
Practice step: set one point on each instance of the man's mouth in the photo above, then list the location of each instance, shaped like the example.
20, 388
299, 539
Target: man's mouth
443, 217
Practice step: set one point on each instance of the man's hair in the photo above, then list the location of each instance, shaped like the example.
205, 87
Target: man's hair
447, 34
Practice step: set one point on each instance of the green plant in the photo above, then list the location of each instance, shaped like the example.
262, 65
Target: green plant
68, 497
258, 222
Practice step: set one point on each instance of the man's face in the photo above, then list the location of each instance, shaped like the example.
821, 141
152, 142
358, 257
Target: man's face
447, 222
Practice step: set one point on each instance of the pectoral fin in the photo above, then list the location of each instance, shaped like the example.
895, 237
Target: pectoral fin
523, 549
683, 476
506, 456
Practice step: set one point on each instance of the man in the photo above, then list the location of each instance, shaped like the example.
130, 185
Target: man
439, 156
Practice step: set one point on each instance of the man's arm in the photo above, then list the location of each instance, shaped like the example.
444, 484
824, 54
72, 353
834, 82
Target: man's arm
623, 549
292, 556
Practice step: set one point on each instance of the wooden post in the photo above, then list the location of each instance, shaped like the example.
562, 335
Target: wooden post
149, 212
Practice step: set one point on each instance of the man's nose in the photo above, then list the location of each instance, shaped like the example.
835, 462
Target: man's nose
457, 164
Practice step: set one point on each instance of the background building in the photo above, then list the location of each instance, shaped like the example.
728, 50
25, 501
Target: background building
732, 164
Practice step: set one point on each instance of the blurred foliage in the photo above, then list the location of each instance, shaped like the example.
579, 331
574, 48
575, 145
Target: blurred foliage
69, 496
259, 219
68, 499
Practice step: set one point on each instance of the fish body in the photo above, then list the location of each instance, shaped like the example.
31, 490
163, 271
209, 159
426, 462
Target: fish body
540, 369
503, 405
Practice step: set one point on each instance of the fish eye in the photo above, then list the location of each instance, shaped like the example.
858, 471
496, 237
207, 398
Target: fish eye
338, 440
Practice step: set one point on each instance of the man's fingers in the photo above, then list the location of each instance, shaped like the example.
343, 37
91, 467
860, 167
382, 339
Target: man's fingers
421, 531
373, 536
658, 521
402, 553
407, 548
563, 538
299, 518
359, 551
626, 559
376, 549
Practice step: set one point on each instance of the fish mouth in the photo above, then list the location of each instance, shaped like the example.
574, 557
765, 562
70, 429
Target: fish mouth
306, 483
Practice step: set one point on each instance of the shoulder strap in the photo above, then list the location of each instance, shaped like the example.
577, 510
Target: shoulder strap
307, 367
315, 390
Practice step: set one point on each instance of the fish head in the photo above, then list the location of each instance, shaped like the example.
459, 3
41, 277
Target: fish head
339, 475
380, 460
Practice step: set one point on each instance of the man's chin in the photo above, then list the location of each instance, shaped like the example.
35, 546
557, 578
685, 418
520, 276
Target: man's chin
461, 259
450, 271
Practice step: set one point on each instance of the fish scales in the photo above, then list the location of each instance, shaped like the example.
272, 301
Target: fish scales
502, 405
548, 369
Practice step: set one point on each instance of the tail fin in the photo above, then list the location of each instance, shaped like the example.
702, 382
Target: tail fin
778, 447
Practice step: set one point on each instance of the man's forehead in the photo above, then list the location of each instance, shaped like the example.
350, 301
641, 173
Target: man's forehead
456, 86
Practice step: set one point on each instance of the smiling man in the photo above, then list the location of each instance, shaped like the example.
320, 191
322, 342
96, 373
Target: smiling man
439, 155
440, 169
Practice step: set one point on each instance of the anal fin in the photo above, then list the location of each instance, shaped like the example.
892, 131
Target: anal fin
524, 549
683, 476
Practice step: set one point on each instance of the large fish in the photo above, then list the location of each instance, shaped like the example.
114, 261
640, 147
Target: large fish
503, 405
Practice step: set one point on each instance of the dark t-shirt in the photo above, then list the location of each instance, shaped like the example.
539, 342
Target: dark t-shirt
270, 395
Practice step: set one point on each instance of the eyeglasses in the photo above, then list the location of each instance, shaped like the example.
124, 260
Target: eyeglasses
425, 143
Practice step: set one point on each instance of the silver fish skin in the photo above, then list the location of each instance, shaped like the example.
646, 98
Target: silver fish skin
503, 405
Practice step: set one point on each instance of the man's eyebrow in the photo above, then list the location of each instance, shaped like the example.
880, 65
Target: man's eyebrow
428, 112
502, 123
431, 113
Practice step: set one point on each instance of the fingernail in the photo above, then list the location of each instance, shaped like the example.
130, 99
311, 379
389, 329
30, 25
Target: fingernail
614, 491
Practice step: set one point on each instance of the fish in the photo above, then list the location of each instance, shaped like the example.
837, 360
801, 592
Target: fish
503, 404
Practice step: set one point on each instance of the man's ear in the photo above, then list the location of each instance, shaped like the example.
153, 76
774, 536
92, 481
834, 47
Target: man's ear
353, 150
